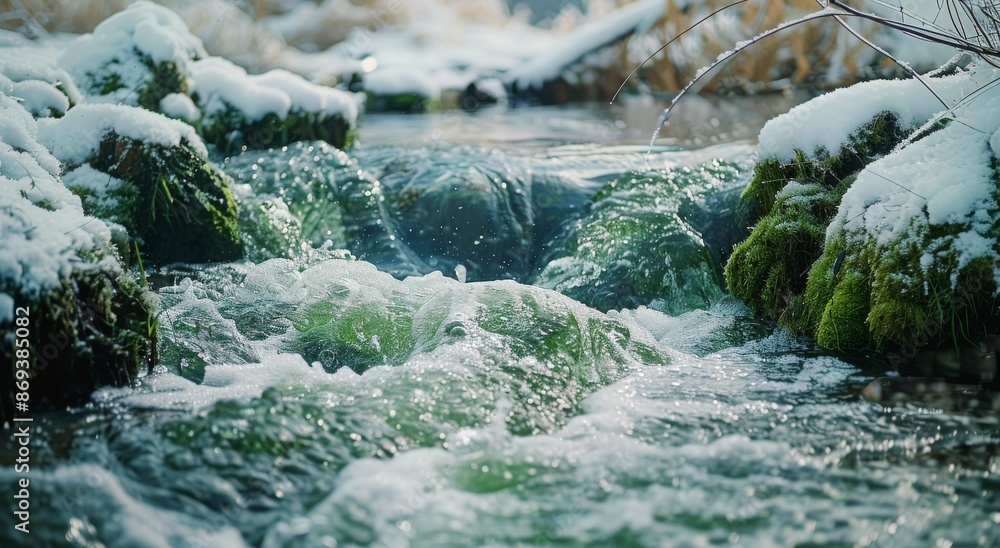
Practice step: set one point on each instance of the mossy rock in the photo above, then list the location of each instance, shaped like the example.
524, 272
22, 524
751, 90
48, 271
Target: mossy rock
920, 292
174, 204
159, 80
869, 142
768, 270
644, 242
410, 103
96, 329
231, 131
73, 319
193, 334
790, 206
884, 300
135, 57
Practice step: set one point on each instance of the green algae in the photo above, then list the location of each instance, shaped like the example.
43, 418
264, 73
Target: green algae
643, 242
334, 203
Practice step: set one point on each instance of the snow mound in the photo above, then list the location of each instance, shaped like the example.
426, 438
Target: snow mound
76, 136
35, 63
220, 85
827, 121
132, 54
45, 232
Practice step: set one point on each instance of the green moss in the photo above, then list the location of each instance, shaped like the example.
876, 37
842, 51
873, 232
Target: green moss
906, 305
843, 326
108, 84
820, 285
911, 295
173, 203
230, 131
158, 80
901, 302
166, 78
786, 271
768, 270
97, 329
866, 144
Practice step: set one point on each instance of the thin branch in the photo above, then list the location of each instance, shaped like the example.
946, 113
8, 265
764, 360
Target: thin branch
672, 40
904, 66
828, 12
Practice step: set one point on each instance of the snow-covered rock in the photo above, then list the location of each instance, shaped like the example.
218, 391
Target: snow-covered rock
270, 109
43, 88
885, 231
135, 57
88, 317
150, 174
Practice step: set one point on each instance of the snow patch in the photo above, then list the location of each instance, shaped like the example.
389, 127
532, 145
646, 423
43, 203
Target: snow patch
397, 80
180, 106
40, 98
635, 17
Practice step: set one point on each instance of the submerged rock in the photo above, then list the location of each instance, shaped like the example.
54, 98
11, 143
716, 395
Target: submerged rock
150, 175
194, 334
465, 206
547, 351
332, 200
85, 321
642, 242
484, 92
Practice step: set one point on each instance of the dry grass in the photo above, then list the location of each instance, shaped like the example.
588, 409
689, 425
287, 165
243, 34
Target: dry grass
800, 55
818, 53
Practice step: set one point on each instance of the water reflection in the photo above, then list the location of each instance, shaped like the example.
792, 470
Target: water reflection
697, 122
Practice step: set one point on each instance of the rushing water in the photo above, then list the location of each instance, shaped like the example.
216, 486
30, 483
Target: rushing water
319, 401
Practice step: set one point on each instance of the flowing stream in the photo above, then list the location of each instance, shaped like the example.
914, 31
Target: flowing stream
430, 392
